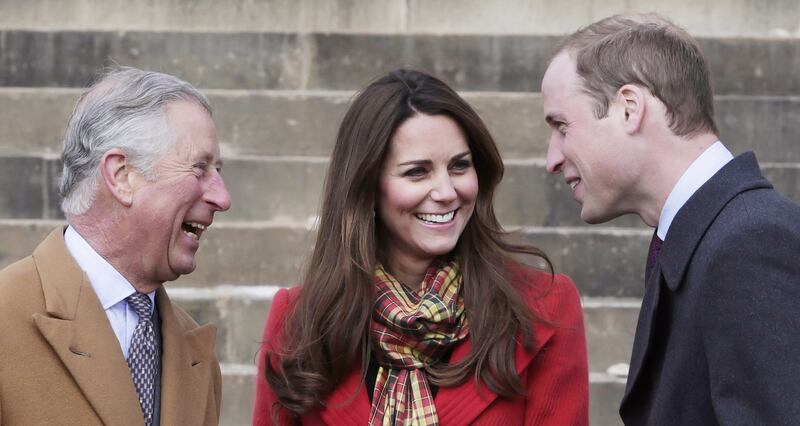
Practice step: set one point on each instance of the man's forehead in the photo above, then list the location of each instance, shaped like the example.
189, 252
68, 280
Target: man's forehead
560, 74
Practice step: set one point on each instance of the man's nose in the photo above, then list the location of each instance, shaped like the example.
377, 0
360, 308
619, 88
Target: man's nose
217, 194
555, 157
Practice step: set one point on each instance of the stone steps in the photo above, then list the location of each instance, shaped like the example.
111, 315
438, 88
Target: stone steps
304, 123
334, 61
280, 74
738, 18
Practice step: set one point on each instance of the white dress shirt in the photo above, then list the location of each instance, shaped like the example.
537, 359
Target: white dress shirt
699, 172
111, 288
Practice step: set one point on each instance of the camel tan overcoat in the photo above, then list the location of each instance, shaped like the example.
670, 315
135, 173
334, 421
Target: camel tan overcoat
60, 362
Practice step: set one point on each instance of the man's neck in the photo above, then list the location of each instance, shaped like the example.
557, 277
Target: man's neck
105, 239
670, 162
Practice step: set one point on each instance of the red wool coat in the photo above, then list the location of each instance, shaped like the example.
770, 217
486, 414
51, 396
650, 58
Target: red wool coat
555, 372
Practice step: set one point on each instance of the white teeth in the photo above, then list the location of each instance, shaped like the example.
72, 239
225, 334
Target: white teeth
198, 229
437, 218
574, 183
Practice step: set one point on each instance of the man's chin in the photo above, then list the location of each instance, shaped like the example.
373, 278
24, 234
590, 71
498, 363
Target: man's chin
593, 217
183, 267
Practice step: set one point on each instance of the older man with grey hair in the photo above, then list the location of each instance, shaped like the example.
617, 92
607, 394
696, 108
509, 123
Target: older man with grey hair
88, 335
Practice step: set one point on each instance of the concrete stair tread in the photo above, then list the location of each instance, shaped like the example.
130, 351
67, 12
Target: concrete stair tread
737, 18
304, 122
245, 60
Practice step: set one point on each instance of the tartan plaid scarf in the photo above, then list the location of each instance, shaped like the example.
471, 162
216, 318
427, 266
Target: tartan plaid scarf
409, 331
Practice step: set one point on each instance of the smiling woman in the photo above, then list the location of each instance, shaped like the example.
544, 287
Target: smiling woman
427, 194
413, 310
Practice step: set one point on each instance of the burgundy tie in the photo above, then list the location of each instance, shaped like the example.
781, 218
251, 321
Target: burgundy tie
652, 254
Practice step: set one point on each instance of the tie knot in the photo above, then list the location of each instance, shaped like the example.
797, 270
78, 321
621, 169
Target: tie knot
140, 303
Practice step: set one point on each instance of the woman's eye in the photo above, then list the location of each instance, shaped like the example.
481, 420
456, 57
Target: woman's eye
415, 172
462, 164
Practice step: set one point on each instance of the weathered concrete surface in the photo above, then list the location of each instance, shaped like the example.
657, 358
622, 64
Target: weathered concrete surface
274, 190
347, 61
207, 15
304, 123
19, 238
70, 59
737, 18
238, 393
604, 399
603, 262
22, 187
610, 327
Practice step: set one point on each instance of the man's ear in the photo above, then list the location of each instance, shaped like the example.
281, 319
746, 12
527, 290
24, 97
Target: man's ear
633, 101
118, 175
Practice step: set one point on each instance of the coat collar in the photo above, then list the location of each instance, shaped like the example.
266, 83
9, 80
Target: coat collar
696, 216
687, 230
187, 366
77, 328
462, 404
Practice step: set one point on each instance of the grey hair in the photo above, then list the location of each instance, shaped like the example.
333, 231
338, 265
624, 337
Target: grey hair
124, 109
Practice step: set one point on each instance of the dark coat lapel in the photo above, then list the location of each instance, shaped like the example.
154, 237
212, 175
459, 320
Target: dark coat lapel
77, 329
687, 230
644, 327
185, 369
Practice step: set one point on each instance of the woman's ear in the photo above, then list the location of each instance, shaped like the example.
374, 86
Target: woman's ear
117, 175
633, 100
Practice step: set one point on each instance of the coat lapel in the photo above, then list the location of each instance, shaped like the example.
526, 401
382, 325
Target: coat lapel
463, 404
644, 327
685, 234
186, 371
77, 329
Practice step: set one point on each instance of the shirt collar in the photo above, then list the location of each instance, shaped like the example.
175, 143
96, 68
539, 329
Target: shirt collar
698, 173
111, 287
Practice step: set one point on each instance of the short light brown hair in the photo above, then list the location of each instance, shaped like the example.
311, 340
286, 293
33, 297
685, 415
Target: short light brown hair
650, 51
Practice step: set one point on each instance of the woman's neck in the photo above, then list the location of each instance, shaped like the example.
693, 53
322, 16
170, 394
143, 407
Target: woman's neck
409, 271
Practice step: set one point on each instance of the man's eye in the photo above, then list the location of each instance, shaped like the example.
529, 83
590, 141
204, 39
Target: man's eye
561, 128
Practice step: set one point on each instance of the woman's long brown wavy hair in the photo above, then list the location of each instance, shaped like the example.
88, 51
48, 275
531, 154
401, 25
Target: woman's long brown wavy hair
327, 331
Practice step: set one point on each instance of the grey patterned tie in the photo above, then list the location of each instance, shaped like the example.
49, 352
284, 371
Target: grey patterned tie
143, 354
